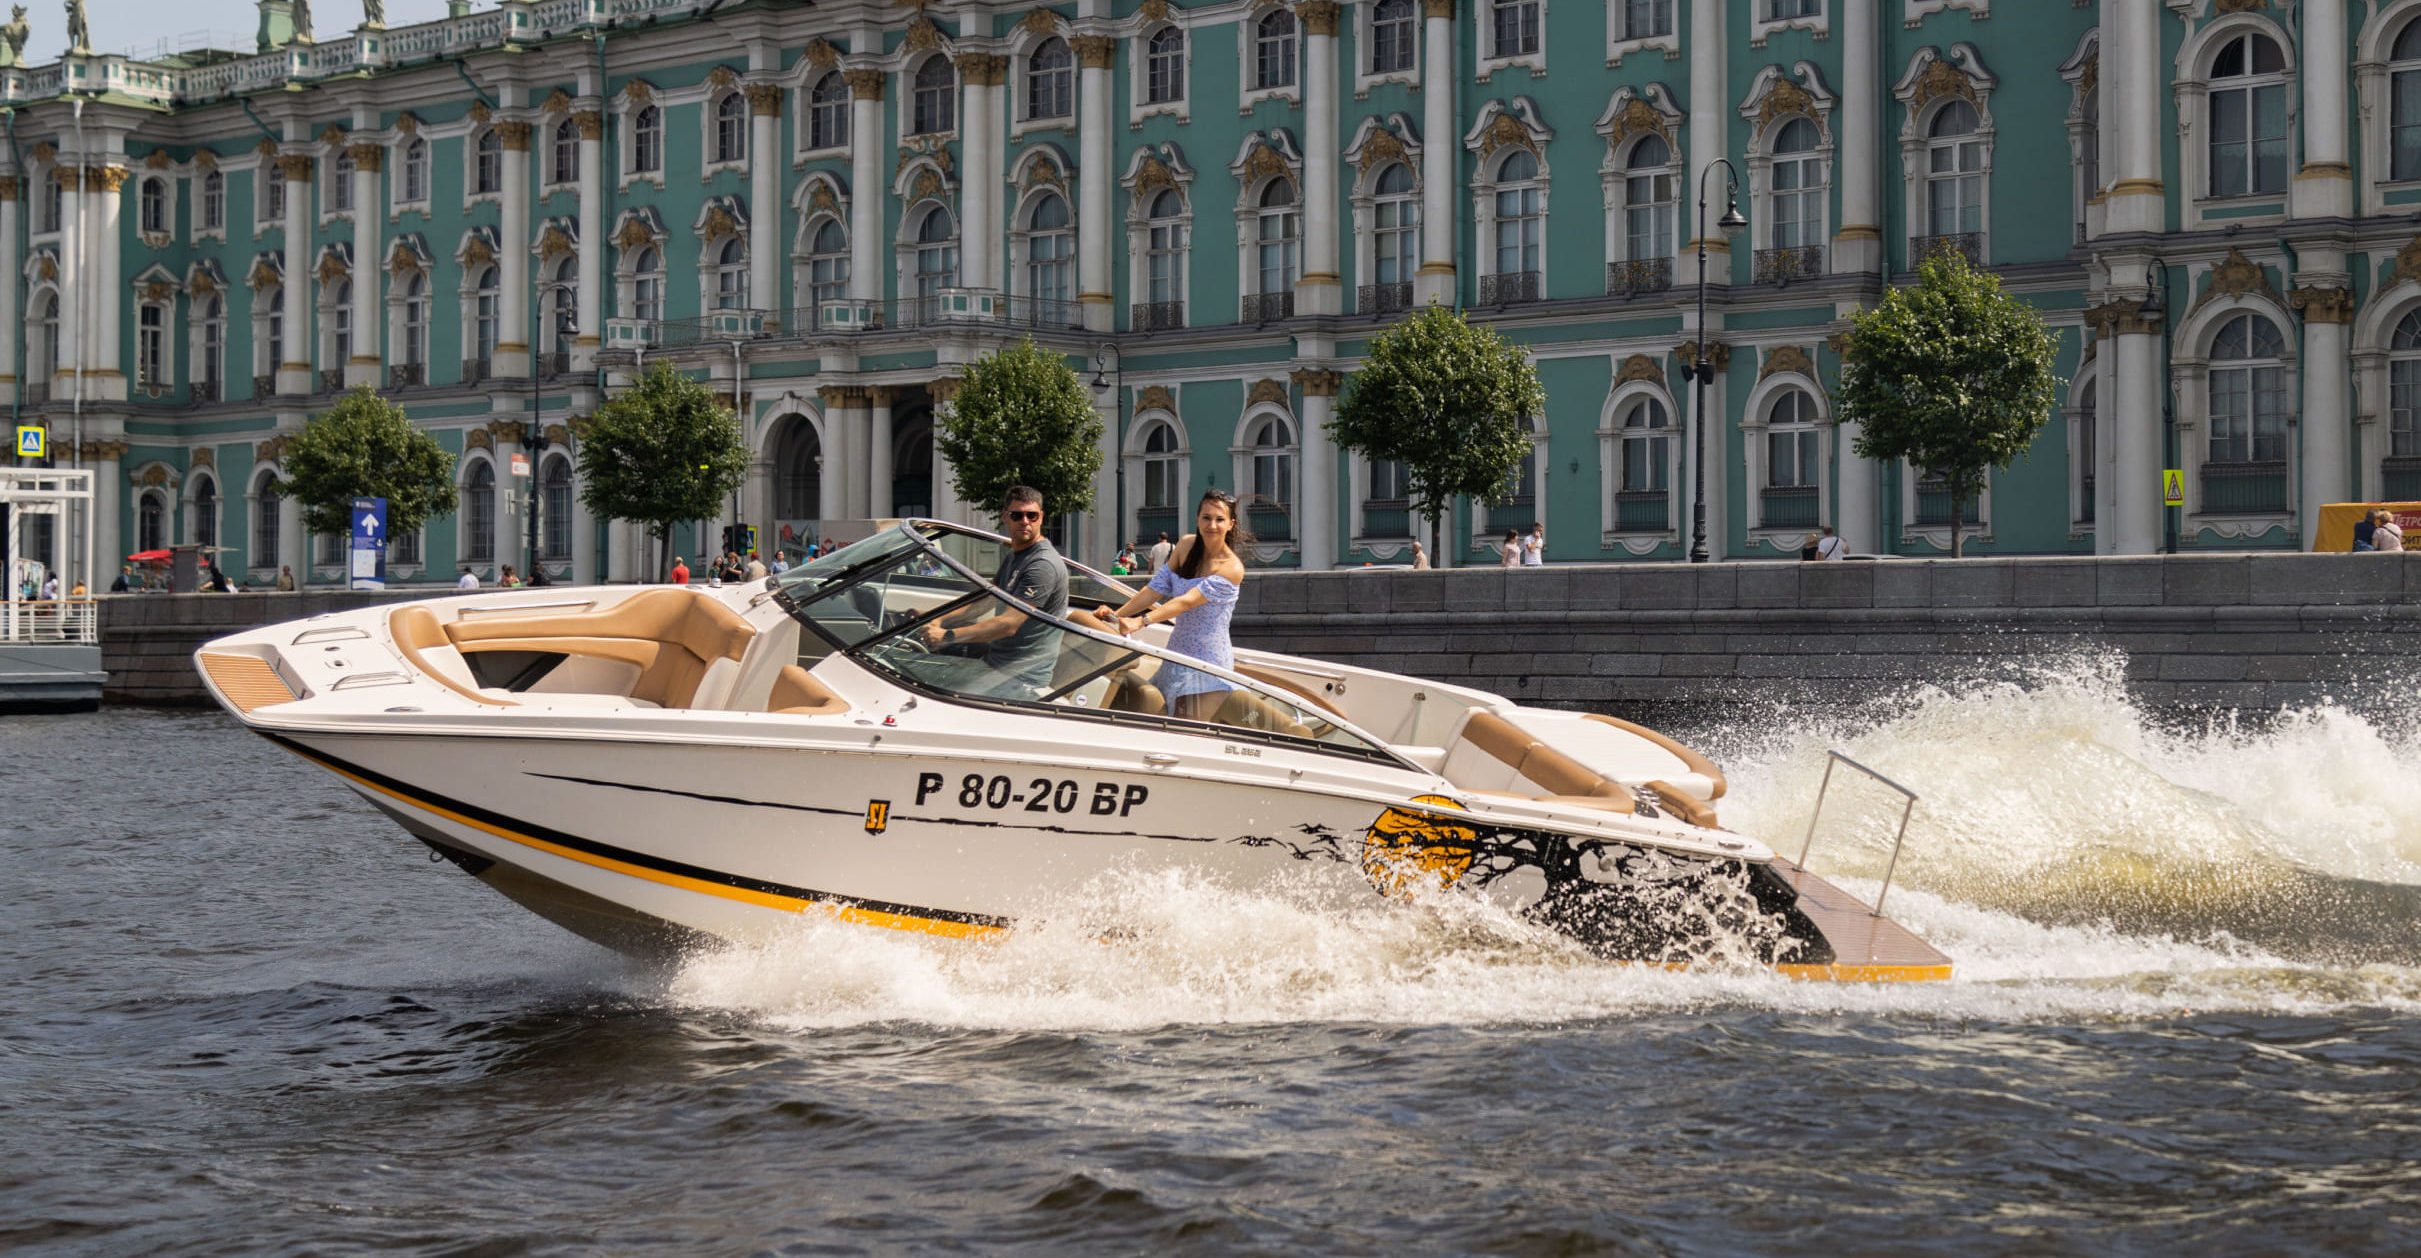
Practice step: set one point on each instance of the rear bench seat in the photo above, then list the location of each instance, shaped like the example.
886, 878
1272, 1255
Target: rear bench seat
1494, 755
686, 645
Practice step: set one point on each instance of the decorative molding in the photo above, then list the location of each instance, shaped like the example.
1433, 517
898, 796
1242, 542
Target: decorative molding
765, 100
2323, 305
104, 178
864, 84
157, 159
922, 35
1039, 22
2120, 317
2408, 260
480, 113
1640, 367
944, 390
721, 76
515, 135
1156, 397
591, 123
333, 136
407, 122
202, 456
1318, 381
1438, 9
1319, 17
822, 54
556, 102
1268, 391
511, 430
1787, 358
2235, 276
639, 91
1717, 353
368, 159
1095, 52
477, 439
297, 167
1155, 11
271, 450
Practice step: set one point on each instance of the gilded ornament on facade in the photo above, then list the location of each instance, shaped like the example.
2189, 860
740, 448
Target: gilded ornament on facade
638, 91
1153, 176
1638, 117
201, 285
821, 198
158, 290
553, 244
203, 456
297, 167
1095, 52
8, 188
104, 178
556, 102
1639, 367
514, 135
403, 262
2236, 276
1784, 99
2408, 260
591, 124
480, 111
477, 439
1154, 11
1381, 148
1507, 129
272, 450
922, 34
634, 234
477, 252
1438, 9
1264, 163
369, 159
333, 136
1717, 353
154, 475
1319, 17
2091, 76
45, 151
717, 224
1838, 343
765, 100
1787, 358
1942, 78
2237, 6
945, 390
263, 276
47, 269
722, 76
1038, 22
864, 84
206, 159
928, 185
157, 159
407, 122
2323, 305
1043, 171
507, 430
822, 54
1317, 381
1269, 391
332, 268
1156, 397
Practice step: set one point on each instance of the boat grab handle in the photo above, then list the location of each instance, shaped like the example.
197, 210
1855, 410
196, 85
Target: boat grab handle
1835, 757
1160, 759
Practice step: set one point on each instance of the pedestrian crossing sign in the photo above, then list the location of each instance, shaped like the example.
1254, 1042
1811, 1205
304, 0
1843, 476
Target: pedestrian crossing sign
2173, 487
29, 442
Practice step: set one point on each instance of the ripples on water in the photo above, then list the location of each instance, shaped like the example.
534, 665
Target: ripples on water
240, 1014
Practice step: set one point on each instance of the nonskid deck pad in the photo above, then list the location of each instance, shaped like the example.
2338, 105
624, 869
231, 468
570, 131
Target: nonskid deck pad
1867, 948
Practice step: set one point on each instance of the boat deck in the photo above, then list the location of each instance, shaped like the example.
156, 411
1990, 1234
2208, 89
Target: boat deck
1867, 948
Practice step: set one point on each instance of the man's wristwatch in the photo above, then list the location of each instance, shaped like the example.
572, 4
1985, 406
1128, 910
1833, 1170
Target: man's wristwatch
949, 635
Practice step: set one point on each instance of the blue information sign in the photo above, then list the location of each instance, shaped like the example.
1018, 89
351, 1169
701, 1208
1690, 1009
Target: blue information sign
369, 544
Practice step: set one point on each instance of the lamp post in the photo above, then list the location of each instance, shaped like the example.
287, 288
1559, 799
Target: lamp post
1703, 371
536, 441
1107, 363
2156, 306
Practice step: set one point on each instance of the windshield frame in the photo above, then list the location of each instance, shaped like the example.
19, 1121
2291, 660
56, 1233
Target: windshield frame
1375, 749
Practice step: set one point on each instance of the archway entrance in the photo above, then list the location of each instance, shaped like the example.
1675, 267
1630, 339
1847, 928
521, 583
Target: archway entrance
798, 486
912, 461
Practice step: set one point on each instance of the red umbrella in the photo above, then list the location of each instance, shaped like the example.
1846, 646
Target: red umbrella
149, 556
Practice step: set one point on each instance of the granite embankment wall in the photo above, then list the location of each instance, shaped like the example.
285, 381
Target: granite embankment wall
2250, 631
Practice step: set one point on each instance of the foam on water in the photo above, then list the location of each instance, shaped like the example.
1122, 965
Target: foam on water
2074, 857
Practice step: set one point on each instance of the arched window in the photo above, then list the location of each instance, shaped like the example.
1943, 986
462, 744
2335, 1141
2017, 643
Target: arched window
828, 263
340, 326
563, 322
647, 286
798, 470
479, 513
1273, 479
151, 523
264, 521
1392, 34
731, 128
1050, 250
151, 345
1274, 50
1647, 200
1520, 223
2088, 457
155, 205
2404, 386
2404, 104
1280, 233
1642, 495
1396, 227
1792, 445
555, 510
1161, 490
416, 321
487, 166
340, 182
214, 349
1798, 179
2248, 117
1164, 259
936, 253
731, 275
567, 152
647, 141
214, 202
1954, 180
935, 108
2248, 392
483, 315
416, 170
206, 511
828, 112
1164, 66
1051, 80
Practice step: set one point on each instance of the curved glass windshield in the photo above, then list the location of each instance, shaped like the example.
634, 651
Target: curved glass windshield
906, 603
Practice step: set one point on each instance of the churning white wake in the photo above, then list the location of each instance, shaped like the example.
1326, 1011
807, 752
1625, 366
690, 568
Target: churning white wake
2072, 855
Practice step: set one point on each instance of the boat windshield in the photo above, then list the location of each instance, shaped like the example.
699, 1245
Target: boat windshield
885, 601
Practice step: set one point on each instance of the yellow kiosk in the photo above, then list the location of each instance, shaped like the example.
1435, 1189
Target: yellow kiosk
2337, 520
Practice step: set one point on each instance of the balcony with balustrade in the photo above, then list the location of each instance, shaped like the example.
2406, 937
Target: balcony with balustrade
1933, 506
1968, 245
1511, 288
1387, 520
1266, 307
2400, 477
1382, 299
407, 375
1788, 506
1151, 522
1784, 267
2256, 488
1639, 277
1643, 511
1269, 521
1156, 316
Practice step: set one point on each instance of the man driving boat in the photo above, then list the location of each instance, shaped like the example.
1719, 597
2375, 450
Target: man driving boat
1022, 651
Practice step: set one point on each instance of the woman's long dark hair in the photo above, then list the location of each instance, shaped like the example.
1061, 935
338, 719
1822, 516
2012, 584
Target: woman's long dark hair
1238, 537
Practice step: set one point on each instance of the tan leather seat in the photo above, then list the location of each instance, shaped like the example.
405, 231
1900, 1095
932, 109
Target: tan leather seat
418, 636
691, 631
1530, 759
796, 692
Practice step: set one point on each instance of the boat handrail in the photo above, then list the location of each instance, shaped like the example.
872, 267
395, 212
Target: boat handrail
1906, 809
472, 611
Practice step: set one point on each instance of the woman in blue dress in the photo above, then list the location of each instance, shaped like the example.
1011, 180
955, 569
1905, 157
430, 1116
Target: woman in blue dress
1197, 589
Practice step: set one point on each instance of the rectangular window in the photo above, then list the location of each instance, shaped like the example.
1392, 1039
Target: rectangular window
2404, 408
1642, 19
273, 197
2404, 125
1648, 218
1391, 37
1514, 28
1790, 458
1781, 10
151, 339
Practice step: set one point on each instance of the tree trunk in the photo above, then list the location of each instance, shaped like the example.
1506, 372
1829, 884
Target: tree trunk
1958, 516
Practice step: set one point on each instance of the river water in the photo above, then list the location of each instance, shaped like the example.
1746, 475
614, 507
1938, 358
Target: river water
240, 1013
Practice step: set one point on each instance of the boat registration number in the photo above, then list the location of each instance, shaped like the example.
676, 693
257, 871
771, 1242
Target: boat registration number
1064, 795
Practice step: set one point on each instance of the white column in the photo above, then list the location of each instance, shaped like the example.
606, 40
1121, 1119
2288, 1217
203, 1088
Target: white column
946, 504
2105, 447
584, 541
2135, 525
294, 374
765, 166
1858, 246
2325, 186
840, 405
369, 275
1441, 144
105, 262
592, 304
12, 300
2131, 68
293, 545
1321, 290
73, 292
1097, 228
513, 348
867, 193
1854, 516
878, 454
2328, 416
1319, 514
978, 224
109, 531
1706, 132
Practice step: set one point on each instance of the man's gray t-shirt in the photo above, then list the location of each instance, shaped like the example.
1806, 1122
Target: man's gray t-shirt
1035, 575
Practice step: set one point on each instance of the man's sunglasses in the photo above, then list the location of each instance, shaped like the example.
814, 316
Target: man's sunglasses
1023, 515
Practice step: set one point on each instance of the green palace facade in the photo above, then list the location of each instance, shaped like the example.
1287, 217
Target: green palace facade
827, 209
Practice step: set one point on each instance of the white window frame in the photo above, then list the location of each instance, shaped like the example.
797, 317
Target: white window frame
400, 187
1367, 201
1250, 90
1135, 455
1622, 41
336, 186
401, 332
1484, 190
555, 180
211, 217
627, 162
268, 330
711, 120
1485, 54
1757, 427
1245, 454
472, 194
336, 334
472, 316
1916, 136
719, 276
155, 365
1365, 41
2192, 89
1022, 235
909, 248
805, 258
951, 99
269, 196
1612, 434
204, 329
1763, 21
806, 120
2250, 84
466, 520
2374, 72
1023, 80
266, 530
1141, 106
153, 192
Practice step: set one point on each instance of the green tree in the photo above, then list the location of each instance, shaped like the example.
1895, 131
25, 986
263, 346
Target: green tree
1021, 418
1952, 375
1447, 400
366, 447
664, 451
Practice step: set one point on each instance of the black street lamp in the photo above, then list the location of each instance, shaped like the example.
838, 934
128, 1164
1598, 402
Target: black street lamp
1106, 364
2156, 307
1731, 224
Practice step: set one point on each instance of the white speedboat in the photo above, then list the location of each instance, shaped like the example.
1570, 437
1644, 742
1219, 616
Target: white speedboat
652, 765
